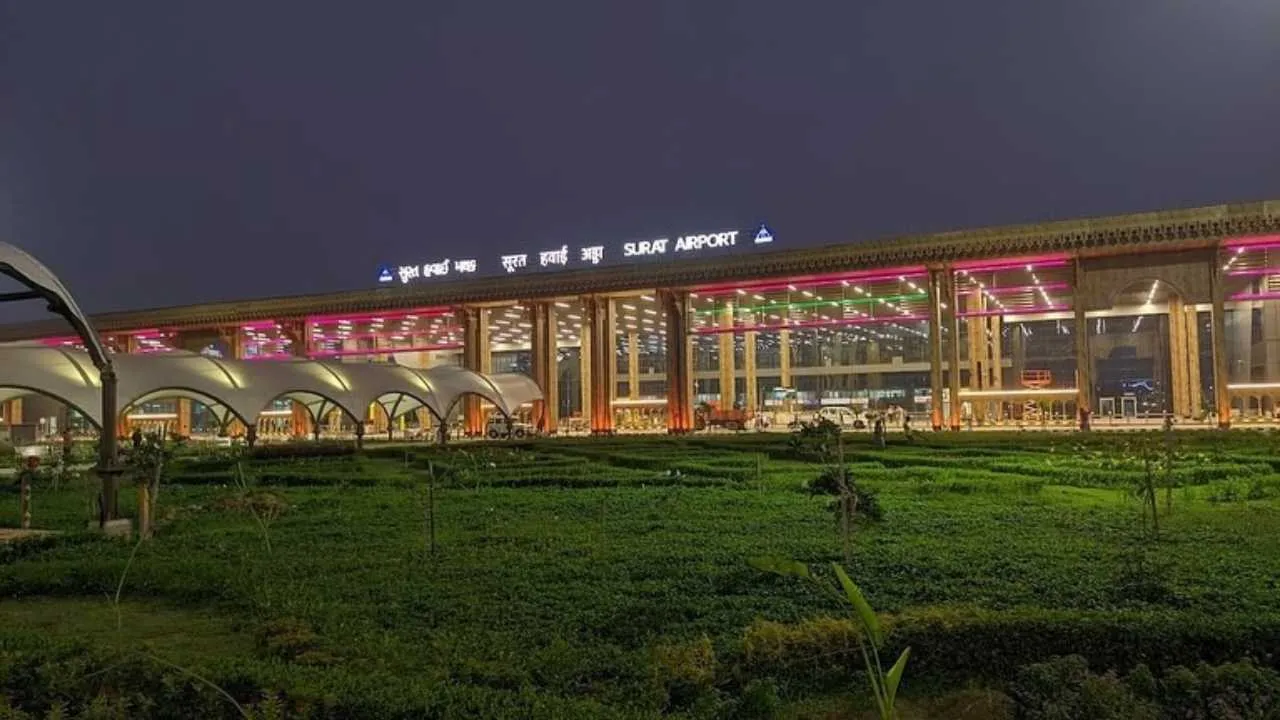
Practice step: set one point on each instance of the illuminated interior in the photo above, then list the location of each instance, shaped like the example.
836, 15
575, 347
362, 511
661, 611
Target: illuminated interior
858, 339
1251, 270
415, 338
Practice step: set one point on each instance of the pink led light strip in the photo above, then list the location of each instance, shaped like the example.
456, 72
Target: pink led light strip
324, 338
1255, 271
1256, 242
1014, 311
1036, 262
1012, 289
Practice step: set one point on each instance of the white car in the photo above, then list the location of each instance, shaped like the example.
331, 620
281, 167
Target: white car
842, 416
499, 428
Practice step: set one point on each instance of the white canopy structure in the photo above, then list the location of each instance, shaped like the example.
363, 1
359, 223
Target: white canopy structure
243, 389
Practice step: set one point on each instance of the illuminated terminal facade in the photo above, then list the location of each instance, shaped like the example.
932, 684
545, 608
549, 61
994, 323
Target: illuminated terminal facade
1108, 321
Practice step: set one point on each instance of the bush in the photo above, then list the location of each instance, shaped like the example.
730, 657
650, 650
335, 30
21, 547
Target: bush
1064, 689
867, 501
955, 645
686, 672
292, 450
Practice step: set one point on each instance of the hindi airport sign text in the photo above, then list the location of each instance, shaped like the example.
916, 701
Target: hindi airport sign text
564, 256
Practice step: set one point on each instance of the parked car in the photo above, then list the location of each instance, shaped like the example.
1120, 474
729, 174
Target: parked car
500, 427
843, 416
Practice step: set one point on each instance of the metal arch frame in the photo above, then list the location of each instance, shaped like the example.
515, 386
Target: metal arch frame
316, 415
394, 412
28, 391
42, 284
188, 393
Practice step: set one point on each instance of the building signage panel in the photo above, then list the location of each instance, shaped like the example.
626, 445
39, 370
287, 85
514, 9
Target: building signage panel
566, 256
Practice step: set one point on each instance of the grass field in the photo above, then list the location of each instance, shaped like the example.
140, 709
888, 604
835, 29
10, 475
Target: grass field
609, 578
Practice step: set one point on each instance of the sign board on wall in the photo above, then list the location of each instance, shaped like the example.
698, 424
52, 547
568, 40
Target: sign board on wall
564, 256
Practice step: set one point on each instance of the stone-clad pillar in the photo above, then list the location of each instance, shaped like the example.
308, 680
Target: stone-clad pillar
784, 358
182, 424
952, 319
1218, 319
13, 411
633, 364
996, 376
1180, 402
584, 362
599, 316
675, 307
935, 348
750, 338
1084, 356
475, 356
727, 369
1194, 399
545, 365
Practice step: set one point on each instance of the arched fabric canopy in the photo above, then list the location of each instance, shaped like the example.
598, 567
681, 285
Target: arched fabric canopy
245, 389
17, 264
68, 376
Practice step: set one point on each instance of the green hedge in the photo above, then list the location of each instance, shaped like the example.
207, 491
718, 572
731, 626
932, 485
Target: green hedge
954, 646
37, 676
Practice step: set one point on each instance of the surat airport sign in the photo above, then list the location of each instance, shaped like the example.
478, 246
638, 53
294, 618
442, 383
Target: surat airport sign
563, 256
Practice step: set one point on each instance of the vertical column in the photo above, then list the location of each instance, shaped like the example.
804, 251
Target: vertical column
598, 312
675, 307
1178, 371
952, 319
584, 360
1084, 356
233, 338
1218, 321
935, 348
182, 425
475, 356
996, 378
874, 381
1191, 321
13, 411
727, 372
299, 333
545, 362
784, 358
976, 326
1270, 341
749, 366
633, 364
300, 420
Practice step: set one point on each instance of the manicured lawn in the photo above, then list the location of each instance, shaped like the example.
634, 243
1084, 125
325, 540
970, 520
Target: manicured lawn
580, 578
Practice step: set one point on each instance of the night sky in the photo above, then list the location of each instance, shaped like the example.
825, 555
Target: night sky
159, 153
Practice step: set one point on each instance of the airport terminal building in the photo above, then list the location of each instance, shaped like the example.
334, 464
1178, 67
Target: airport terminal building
1106, 321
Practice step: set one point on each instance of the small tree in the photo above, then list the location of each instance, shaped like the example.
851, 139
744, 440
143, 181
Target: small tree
884, 683
148, 460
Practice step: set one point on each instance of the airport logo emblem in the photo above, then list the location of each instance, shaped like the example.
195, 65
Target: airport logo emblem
386, 274
763, 236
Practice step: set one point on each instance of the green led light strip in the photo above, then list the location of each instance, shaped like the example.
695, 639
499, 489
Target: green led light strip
814, 303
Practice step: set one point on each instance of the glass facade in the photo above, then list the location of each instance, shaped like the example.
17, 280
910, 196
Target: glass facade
1251, 279
1016, 336
1018, 344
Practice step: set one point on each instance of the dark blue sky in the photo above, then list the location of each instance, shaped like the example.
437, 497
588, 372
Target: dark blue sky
158, 153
